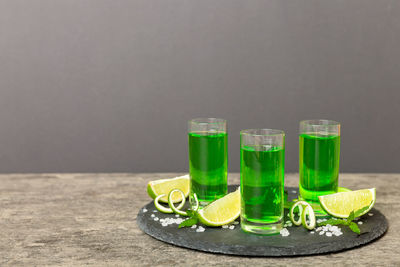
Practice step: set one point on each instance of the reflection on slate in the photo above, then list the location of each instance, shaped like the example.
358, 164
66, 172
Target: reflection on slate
236, 242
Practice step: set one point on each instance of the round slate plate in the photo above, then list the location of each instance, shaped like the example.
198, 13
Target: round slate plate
236, 242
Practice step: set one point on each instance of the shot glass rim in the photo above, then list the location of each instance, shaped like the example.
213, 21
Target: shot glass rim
274, 132
320, 122
202, 120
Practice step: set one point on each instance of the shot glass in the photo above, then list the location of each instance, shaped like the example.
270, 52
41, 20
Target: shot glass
319, 153
208, 159
262, 163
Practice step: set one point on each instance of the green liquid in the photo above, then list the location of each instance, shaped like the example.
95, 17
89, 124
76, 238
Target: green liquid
318, 165
261, 183
208, 165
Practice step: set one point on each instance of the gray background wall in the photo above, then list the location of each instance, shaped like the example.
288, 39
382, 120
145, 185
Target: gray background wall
104, 86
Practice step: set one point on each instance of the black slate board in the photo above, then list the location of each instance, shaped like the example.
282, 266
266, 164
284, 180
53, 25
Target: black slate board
236, 242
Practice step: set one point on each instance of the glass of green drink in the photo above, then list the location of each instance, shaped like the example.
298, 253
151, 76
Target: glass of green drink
262, 162
208, 159
319, 152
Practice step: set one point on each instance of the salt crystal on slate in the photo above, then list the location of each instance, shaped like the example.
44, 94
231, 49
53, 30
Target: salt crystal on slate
360, 222
329, 234
370, 214
144, 210
200, 229
164, 224
152, 215
154, 210
232, 227
156, 219
311, 232
284, 232
321, 233
225, 226
193, 226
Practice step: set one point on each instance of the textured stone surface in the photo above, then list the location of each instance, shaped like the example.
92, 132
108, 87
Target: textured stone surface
236, 242
90, 219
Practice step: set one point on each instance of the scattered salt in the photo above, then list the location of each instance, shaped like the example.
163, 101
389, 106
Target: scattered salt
284, 232
193, 226
164, 224
329, 234
311, 232
200, 229
144, 210
152, 215
156, 218
360, 222
231, 227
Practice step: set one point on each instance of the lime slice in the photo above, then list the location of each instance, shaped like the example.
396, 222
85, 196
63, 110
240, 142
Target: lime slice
164, 186
171, 203
341, 204
163, 209
310, 224
160, 207
298, 204
222, 211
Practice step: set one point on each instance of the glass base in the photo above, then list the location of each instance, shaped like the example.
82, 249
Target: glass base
261, 228
318, 210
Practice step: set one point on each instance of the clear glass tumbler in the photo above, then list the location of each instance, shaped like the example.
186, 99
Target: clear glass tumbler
319, 154
208, 159
262, 164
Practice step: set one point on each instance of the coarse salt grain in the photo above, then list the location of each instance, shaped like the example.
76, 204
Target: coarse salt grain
200, 229
329, 234
225, 226
231, 227
284, 232
152, 215
156, 218
370, 214
360, 222
193, 226
311, 232
144, 210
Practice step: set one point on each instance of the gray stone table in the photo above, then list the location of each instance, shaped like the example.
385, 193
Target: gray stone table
90, 219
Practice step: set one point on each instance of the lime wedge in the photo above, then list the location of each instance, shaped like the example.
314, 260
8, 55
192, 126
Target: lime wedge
222, 211
341, 204
164, 186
